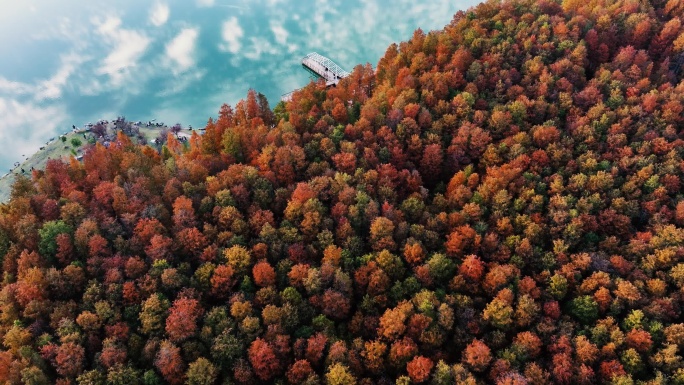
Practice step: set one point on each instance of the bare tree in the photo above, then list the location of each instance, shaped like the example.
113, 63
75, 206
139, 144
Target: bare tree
99, 130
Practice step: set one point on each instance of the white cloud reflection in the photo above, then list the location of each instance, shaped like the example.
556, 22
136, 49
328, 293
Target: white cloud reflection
128, 46
181, 50
279, 32
231, 33
159, 14
205, 3
17, 116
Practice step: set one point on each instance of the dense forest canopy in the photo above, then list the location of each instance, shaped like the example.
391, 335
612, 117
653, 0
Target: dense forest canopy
497, 202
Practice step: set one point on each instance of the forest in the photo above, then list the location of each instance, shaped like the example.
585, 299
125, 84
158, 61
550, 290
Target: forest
497, 202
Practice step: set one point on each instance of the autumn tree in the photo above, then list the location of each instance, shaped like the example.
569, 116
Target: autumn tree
263, 359
264, 274
201, 372
170, 363
338, 374
183, 213
182, 320
419, 369
477, 355
153, 314
381, 234
299, 372
70, 359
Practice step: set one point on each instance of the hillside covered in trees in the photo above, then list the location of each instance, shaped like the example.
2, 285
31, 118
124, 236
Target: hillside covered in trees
497, 202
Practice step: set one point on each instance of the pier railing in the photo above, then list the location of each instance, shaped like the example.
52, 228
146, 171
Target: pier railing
322, 67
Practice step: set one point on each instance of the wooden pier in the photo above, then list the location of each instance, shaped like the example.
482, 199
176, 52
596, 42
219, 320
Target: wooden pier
321, 67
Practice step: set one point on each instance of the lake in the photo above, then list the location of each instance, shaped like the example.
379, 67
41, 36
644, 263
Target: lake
177, 61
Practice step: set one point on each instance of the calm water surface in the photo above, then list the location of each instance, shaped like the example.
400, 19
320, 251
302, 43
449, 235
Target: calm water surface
70, 61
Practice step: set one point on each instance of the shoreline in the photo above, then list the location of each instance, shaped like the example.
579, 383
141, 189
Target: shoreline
58, 148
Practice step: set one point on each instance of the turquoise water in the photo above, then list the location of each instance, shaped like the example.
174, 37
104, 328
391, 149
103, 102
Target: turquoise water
71, 61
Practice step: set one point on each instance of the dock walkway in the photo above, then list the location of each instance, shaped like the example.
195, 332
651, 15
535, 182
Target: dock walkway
322, 67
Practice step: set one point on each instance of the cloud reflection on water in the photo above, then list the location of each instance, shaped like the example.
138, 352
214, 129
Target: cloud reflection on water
178, 60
